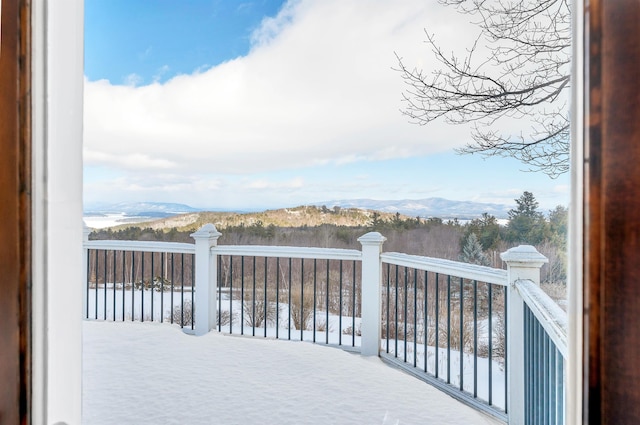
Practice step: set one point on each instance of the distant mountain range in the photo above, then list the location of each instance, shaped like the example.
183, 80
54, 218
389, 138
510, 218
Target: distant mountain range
429, 207
139, 209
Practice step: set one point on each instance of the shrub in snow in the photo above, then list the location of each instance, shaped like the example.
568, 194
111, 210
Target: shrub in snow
301, 307
183, 315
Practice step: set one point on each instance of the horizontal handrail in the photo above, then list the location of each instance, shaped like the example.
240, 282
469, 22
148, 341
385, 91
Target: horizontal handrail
144, 246
552, 318
448, 267
288, 252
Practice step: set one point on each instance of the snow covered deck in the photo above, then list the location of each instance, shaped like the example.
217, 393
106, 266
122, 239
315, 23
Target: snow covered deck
399, 306
151, 373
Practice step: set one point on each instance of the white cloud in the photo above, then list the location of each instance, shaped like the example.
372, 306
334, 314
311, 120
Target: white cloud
262, 184
158, 186
129, 160
160, 72
133, 80
316, 88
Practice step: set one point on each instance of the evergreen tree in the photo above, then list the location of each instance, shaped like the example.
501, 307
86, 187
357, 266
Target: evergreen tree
397, 222
486, 229
527, 206
558, 226
377, 223
472, 251
526, 223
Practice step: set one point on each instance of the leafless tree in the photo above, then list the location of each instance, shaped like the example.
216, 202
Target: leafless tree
518, 67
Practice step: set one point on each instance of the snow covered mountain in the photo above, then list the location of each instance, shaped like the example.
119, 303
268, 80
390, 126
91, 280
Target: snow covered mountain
139, 209
429, 207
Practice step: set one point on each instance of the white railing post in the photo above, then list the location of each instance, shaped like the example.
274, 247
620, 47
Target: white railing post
85, 268
523, 263
204, 310
371, 292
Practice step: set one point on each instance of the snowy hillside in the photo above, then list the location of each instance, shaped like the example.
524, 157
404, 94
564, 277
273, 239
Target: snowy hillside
429, 207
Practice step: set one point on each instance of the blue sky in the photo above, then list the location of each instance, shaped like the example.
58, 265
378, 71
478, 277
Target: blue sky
266, 104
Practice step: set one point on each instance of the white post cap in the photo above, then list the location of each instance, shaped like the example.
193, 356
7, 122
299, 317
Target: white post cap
524, 255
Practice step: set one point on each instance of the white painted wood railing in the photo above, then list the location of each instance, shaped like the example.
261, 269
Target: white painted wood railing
550, 315
519, 286
448, 267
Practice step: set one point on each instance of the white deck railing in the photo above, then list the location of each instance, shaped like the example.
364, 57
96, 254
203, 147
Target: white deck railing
141, 246
448, 267
408, 308
552, 318
545, 354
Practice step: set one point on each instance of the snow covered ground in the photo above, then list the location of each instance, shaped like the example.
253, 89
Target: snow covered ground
115, 219
151, 373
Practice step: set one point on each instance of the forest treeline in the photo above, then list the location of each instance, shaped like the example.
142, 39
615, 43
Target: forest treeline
478, 241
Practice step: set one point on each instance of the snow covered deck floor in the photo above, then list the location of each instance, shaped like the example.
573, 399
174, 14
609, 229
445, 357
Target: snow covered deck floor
150, 373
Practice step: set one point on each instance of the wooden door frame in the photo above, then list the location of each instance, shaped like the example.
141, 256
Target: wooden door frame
612, 212
15, 213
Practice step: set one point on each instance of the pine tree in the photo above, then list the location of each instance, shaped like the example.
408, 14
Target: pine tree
472, 251
558, 224
486, 229
527, 206
526, 223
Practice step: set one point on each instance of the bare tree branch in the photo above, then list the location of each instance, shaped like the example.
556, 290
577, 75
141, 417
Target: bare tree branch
524, 76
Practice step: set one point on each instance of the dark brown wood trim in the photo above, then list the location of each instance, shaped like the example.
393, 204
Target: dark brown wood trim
24, 209
592, 220
15, 212
612, 213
